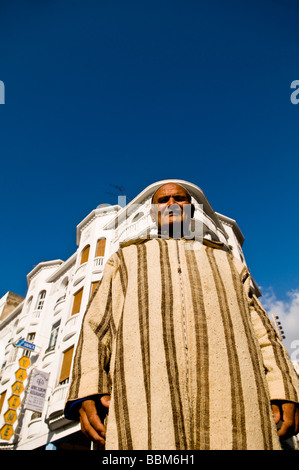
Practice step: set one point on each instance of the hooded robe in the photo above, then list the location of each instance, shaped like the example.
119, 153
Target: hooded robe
185, 349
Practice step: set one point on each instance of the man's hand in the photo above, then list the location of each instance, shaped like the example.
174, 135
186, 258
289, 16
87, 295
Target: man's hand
288, 413
91, 424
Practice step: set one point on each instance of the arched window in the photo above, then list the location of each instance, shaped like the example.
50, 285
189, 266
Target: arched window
101, 245
41, 300
85, 254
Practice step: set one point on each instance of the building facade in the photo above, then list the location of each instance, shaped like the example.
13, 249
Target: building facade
39, 333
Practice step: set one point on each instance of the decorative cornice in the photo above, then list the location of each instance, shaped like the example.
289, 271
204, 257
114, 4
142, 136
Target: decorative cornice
232, 223
41, 266
99, 212
63, 268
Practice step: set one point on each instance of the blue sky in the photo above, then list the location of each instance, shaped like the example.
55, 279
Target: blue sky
128, 93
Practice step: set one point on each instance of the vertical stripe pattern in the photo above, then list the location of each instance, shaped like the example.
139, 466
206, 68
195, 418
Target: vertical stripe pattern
119, 382
291, 393
172, 334
258, 371
170, 347
237, 400
143, 308
202, 437
77, 374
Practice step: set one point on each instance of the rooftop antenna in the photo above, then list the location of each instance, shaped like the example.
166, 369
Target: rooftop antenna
121, 198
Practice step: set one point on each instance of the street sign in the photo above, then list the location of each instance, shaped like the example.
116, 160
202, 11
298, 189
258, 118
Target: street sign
6, 432
17, 388
21, 375
24, 362
25, 345
14, 402
37, 390
10, 416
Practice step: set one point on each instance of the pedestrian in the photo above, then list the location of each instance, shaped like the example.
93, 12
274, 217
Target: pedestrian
177, 351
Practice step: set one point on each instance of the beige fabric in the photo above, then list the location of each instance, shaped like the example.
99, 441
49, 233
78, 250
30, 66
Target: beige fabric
190, 359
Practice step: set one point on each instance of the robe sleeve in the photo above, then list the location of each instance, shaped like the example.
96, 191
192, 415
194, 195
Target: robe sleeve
90, 371
282, 379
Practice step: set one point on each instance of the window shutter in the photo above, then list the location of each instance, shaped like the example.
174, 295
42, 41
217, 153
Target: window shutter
77, 302
93, 287
2, 398
66, 364
101, 244
85, 254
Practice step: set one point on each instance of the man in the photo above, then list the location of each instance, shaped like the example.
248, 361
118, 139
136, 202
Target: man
178, 350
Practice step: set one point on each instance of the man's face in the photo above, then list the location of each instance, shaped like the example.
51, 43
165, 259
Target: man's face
169, 208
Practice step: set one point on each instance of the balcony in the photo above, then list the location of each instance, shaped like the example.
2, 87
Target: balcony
8, 372
35, 317
80, 273
71, 327
34, 427
55, 417
98, 264
22, 323
59, 304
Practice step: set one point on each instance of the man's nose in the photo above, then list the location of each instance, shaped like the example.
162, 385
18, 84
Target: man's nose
171, 201
172, 205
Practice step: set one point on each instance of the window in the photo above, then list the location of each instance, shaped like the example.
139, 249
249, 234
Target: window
53, 337
66, 366
77, 302
41, 300
94, 285
30, 338
85, 255
101, 245
2, 398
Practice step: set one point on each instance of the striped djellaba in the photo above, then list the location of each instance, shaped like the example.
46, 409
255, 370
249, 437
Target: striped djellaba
187, 353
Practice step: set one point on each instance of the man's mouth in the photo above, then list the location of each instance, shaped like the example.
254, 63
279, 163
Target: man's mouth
173, 212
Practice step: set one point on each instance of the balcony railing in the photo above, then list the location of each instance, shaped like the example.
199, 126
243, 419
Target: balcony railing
22, 323
80, 273
8, 372
99, 263
59, 304
57, 400
35, 317
71, 326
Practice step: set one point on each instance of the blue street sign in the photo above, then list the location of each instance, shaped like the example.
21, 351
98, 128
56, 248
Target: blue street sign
25, 345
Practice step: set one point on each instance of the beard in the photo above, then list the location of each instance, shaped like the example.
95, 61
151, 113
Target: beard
175, 229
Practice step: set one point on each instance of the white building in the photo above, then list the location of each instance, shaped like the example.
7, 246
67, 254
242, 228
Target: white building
51, 314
